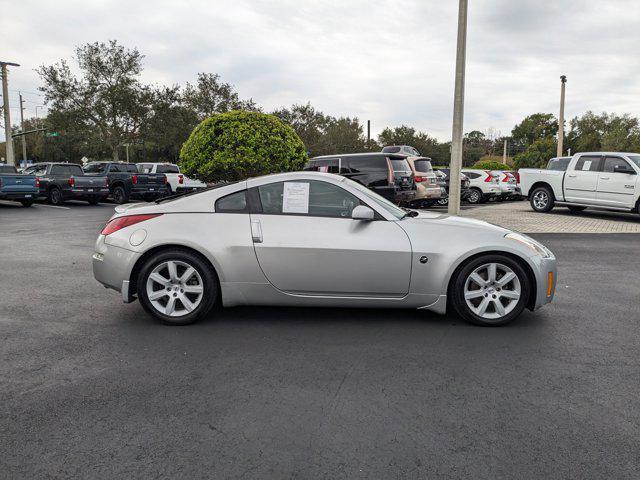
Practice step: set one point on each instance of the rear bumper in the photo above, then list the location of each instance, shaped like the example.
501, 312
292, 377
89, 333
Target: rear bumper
28, 195
113, 265
188, 189
142, 192
89, 192
428, 193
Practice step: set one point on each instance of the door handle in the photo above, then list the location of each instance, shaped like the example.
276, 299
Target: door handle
256, 231
605, 178
572, 175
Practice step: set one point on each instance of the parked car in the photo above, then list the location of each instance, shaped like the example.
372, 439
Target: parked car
125, 182
177, 182
389, 175
16, 186
506, 183
67, 181
484, 185
428, 191
315, 239
518, 192
464, 185
607, 180
402, 149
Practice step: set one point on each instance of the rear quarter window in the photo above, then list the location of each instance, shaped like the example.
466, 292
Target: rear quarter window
366, 164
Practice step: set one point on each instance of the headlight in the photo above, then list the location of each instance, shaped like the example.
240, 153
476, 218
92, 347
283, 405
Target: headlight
536, 247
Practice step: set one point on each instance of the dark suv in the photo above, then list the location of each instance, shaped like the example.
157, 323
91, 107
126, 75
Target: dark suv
386, 174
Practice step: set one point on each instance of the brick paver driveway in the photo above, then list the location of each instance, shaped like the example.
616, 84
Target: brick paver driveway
520, 217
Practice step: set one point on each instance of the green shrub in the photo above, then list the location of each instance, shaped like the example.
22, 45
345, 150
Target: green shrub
537, 154
238, 144
490, 165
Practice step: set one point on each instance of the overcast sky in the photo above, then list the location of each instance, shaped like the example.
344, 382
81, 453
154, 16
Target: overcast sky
391, 62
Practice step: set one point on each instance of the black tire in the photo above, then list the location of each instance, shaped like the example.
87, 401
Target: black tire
457, 290
538, 202
576, 208
26, 203
210, 286
55, 196
120, 195
475, 196
93, 200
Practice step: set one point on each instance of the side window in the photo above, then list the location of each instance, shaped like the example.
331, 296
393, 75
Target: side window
367, 164
611, 162
308, 197
114, 168
233, 203
588, 164
472, 175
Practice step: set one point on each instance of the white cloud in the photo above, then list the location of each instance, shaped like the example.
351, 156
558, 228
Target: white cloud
390, 62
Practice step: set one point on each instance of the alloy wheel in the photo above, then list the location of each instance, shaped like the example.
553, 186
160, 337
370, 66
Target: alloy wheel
492, 291
474, 196
175, 288
540, 200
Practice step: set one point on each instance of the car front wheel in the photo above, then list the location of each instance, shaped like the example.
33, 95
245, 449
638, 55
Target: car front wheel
491, 290
177, 287
475, 196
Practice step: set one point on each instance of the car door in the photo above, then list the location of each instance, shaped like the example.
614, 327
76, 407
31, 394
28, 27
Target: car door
581, 182
306, 242
616, 189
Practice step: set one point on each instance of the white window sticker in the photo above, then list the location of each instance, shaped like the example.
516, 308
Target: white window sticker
295, 198
586, 165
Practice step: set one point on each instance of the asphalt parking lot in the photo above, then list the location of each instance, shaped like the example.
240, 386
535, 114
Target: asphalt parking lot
93, 388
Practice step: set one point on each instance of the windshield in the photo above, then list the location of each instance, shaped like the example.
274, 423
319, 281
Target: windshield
378, 200
95, 168
635, 159
423, 165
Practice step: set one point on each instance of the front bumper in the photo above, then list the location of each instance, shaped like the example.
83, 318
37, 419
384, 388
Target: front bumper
546, 273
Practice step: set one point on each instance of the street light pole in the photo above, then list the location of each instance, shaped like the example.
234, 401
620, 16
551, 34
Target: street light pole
458, 112
7, 116
563, 80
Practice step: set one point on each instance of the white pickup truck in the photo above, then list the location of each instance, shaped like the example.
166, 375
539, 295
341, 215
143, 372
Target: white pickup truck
178, 182
605, 180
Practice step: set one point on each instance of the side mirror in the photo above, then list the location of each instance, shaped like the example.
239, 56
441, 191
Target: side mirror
362, 213
623, 169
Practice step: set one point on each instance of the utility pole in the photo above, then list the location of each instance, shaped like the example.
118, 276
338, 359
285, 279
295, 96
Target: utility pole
504, 152
458, 112
7, 116
24, 140
368, 134
563, 81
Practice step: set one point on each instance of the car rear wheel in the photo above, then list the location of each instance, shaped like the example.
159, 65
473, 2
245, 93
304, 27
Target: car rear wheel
119, 195
542, 199
475, 196
491, 290
177, 287
55, 196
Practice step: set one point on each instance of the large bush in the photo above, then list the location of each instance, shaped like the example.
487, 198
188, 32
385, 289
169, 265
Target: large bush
491, 165
537, 154
239, 144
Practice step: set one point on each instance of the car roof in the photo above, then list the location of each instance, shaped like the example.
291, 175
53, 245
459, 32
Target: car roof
397, 156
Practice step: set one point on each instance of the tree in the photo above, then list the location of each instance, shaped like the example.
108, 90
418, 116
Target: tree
537, 154
239, 144
168, 126
107, 97
310, 125
534, 127
210, 96
425, 144
610, 132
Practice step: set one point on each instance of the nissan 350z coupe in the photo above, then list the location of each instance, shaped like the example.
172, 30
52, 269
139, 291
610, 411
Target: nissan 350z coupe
318, 240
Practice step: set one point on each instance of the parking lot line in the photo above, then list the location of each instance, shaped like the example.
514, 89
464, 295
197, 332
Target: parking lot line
51, 206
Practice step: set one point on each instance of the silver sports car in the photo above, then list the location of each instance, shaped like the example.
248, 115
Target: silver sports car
318, 240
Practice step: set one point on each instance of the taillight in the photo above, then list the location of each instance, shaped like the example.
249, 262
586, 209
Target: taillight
72, 181
489, 178
121, 222
37, 182
419, 179
164, 179
106, 181
181, 178
518, 177
134, 179
506, 178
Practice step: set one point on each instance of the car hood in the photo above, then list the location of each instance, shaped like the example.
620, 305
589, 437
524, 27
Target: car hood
425, 219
